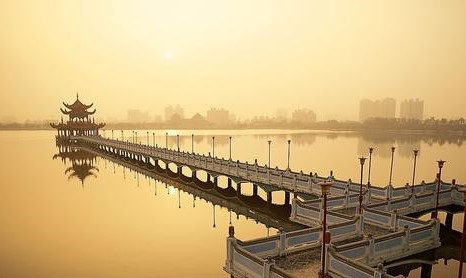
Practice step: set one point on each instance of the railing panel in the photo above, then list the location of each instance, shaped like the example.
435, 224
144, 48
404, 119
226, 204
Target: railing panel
247, 265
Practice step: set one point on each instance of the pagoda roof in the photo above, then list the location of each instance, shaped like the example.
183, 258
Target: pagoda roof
81, 171
77, 109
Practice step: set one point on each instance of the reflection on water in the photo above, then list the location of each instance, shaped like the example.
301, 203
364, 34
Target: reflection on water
127, 223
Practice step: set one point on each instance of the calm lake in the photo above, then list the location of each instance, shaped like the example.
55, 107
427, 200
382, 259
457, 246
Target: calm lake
118, 223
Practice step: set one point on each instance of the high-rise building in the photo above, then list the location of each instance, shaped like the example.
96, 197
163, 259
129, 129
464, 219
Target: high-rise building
137, 116
385, 108
282, 114
218, 116
303, 116
171, 111
412, 109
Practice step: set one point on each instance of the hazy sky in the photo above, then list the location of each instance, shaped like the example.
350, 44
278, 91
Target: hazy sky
249, 56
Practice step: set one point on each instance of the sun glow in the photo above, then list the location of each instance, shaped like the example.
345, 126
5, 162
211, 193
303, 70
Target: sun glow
168, 55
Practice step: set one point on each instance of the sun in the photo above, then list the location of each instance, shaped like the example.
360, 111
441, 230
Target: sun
168, 55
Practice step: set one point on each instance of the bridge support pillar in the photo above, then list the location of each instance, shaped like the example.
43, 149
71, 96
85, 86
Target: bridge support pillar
426, 271
269, 199
229, 182
287, 198
254, 189
238, 189
215, 180
449, 221
208, 177
194, 176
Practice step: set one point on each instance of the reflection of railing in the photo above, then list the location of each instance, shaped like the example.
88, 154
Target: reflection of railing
238, 208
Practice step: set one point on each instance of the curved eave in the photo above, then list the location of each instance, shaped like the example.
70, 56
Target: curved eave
65, 111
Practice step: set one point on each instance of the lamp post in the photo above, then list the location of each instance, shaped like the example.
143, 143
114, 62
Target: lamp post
153, 139
270, 142
325, 187
460, 271
391, 166
166, 140
147, 132
439, 178
289, 144
178, 141
122, 138
415, 152
361, 161
112, 134
213, 146
371, 149
133, 136
136, 136
192, 143
230, 147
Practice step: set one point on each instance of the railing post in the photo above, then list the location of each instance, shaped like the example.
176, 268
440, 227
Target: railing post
389, 204
379, 272
266, 271
282, 243
412, 203
389, 191
407, 238
231, 241
370, 248
293, 206
361, 224
393, 220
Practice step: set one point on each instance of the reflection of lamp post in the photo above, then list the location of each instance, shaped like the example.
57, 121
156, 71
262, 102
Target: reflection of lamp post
325, 187
370, 163
178, 141
270, 142
214, 217
213, 146
391, 166
439, 178
230, 147
414, 169
192, 143
289, 143
361, 161
460, 272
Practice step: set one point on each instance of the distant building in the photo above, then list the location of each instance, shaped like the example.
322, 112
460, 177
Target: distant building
303, 116
385, 108
412, 109
218, 116
282, 114
137, 116
171, 111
